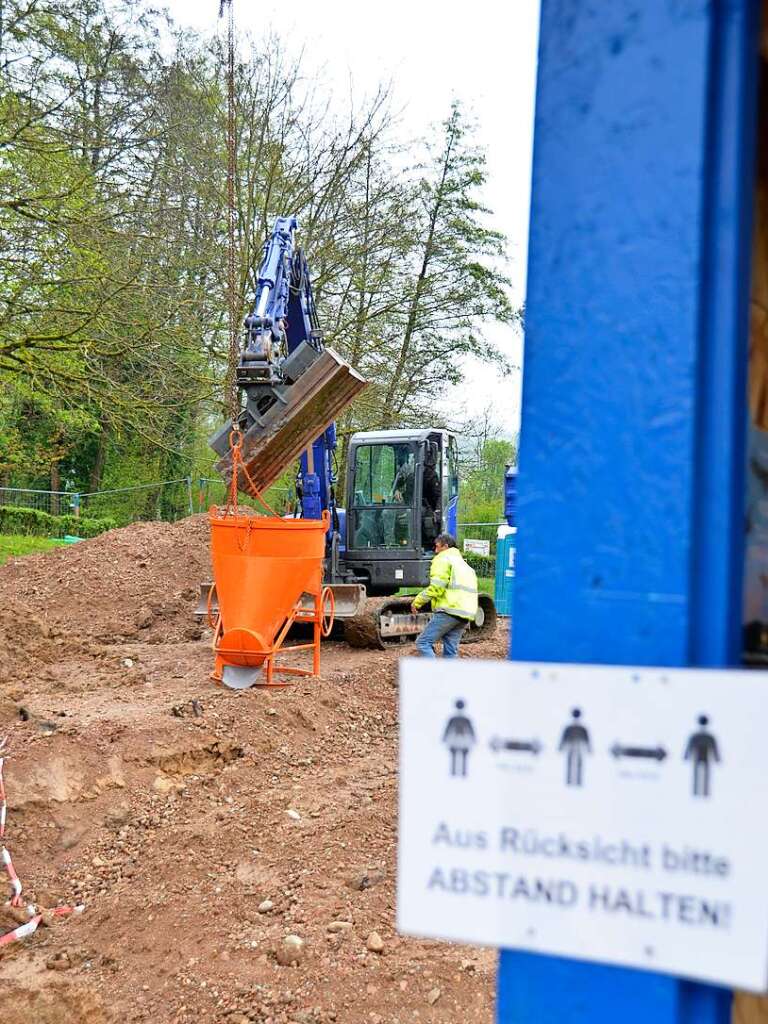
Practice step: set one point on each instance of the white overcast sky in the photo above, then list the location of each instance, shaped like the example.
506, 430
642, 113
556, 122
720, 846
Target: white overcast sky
483, 53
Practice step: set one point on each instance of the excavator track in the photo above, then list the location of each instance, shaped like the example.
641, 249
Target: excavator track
363, 630
386, 621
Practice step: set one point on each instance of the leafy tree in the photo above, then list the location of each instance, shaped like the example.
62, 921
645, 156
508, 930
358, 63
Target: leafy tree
454, 286
482, 489
113, 326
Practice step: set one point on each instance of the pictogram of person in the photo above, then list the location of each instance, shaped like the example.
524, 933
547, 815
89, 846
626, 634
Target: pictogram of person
702, 750
459, 737
575, 743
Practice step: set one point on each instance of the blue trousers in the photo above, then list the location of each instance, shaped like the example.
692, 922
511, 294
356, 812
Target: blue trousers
445, 627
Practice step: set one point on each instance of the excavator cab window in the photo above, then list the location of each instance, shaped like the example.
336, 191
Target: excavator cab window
384, 490
453, 469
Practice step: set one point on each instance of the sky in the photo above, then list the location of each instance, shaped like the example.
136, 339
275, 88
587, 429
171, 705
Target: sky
432, 51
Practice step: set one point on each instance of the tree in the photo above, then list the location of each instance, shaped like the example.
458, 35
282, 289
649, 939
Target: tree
454, 286
113, 313
87, 322
482, 488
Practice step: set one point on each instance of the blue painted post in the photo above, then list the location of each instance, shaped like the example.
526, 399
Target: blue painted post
634, 400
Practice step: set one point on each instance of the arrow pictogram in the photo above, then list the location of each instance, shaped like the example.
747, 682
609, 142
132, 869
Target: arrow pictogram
648, 753
527, 746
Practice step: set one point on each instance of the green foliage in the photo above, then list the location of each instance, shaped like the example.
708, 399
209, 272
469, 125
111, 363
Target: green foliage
482, 484
32, 522
14, 546
485, 567
485, 585
113, 311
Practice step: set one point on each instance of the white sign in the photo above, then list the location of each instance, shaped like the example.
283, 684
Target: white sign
477, 547
599, 813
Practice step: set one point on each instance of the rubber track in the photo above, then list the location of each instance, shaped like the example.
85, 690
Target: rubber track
363, 630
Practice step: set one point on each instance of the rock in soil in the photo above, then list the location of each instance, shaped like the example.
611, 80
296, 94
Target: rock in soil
290, 951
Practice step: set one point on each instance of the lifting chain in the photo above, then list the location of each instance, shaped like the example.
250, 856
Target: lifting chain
232, 291
238, 465
236, 437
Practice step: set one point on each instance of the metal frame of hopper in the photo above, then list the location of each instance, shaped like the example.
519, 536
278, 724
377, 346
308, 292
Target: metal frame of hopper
322, 626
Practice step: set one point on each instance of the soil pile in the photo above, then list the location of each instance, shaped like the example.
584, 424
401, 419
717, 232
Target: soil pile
235, 851
140, 581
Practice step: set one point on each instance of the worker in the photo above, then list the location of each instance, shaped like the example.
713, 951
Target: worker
430, 497
402, 485
431, 519
453, 592
402, 493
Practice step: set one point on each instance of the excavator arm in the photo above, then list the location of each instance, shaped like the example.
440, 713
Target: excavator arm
294, 387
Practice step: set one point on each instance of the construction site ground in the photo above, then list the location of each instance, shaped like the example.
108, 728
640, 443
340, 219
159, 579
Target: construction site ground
201, 827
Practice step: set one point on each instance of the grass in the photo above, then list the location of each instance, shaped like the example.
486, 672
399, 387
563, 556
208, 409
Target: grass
12, 545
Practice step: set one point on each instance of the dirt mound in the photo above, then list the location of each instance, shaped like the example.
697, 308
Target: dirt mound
235, 851
140, 581
49, 1001
24, 640
201, 828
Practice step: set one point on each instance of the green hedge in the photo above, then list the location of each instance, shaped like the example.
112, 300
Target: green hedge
31, 522
483, 566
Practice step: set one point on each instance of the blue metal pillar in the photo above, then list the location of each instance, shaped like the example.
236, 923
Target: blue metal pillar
634, 399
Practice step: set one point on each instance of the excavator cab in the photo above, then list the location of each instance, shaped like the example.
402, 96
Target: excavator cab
402, 488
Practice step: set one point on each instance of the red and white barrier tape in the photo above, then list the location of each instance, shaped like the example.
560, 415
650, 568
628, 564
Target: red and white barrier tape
31, 926
3, 803
21, 932
13, 878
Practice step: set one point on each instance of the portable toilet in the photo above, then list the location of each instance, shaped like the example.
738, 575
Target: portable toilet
510, 495
506, 544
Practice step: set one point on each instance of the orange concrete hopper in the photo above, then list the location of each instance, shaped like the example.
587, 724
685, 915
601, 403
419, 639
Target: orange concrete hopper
261, 567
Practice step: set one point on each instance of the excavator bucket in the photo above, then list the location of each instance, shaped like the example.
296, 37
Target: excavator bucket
304, 411
262, 566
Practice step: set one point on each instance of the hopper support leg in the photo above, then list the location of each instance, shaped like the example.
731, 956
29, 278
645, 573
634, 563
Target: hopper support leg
235, 668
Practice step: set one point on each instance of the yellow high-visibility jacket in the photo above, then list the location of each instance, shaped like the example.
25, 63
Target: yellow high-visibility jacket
452, 586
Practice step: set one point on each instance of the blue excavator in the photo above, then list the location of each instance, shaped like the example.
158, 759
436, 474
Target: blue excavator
401, 486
